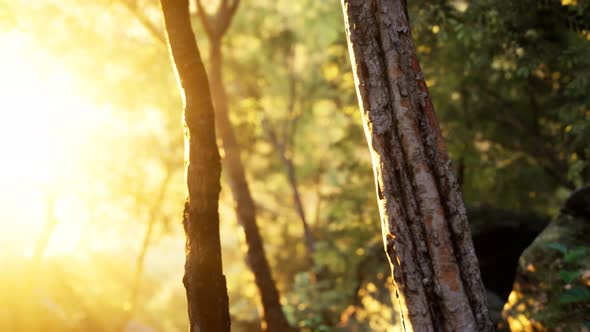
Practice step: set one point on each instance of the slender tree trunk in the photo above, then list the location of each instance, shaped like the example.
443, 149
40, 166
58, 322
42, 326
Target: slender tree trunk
280, 145
204, 281
33, 275
425, 229
153, 216
292, 178
272, 310
273, 316
46, 233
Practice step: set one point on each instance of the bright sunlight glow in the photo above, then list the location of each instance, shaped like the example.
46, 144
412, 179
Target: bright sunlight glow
41, 125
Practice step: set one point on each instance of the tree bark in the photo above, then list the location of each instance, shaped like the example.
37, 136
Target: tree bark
205, 284
273, 318
425, 229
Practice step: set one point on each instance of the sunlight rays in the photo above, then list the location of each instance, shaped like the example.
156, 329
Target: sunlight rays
42, 128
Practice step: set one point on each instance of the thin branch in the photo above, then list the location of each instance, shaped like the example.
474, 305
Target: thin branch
222, 6
318, 192
233, 7
46, 232
153, 216
288, 164
204, 18
217, 23
145, 21
545, 155
289, 128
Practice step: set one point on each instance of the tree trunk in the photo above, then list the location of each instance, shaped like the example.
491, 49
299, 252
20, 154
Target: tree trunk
154, 216
272, 315
45, 234
425, 228
280, 145
216, 25
204, 281
292, 178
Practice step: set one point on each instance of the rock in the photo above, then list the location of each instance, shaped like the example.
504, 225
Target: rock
499, 237
495, 305
578, 204
551, 292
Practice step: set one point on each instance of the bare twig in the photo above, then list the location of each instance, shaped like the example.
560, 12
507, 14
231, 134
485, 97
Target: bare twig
216, 24
157, 33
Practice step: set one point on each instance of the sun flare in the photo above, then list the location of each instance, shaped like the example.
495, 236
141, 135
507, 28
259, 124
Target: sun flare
42, 122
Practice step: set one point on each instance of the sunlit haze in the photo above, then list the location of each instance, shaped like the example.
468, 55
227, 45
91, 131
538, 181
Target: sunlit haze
44, 126
342, 127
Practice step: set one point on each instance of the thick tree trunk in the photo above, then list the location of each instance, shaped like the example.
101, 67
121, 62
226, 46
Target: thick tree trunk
273, 316
204, 281
425, 229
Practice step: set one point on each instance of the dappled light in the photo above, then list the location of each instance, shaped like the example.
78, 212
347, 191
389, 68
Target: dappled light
345, 164
520, 321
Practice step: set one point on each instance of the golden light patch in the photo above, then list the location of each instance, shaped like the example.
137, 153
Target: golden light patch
43, 125
531, 267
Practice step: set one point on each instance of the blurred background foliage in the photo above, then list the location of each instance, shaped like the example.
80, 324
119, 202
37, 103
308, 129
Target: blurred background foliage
92, 179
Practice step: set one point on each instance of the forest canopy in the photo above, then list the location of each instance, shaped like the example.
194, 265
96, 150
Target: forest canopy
92, 181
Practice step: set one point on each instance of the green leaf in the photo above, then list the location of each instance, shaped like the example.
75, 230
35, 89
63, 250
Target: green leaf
575, 295
558, 246
576, 254
569, 276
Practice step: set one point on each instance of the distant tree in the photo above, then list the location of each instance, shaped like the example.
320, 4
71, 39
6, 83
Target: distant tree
204, 281
425, 229
154, 215
516, 105
532, 67
46, 232
215, 26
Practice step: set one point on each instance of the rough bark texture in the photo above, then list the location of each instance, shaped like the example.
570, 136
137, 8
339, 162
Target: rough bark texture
204, 281
425, 229
273, 318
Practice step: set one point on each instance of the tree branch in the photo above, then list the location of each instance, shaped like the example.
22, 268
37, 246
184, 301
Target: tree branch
292, 178
204, 18
158, 34
217, 23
